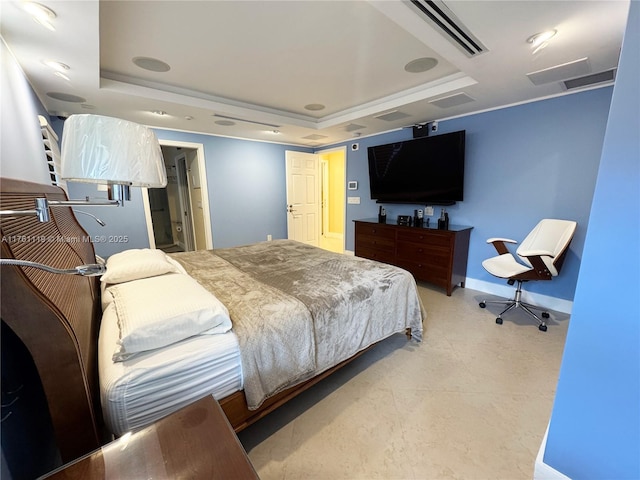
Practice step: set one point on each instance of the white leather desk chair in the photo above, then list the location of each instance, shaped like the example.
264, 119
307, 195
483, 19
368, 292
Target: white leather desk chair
539, 257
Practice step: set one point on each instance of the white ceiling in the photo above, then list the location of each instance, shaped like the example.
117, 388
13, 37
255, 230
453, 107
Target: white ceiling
262, 62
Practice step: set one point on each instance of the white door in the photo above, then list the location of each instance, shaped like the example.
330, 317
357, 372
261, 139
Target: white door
303, 197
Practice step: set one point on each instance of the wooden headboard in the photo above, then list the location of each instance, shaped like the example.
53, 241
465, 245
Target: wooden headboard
57, 317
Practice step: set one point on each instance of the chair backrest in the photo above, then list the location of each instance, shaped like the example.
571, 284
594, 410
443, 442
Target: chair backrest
549, 235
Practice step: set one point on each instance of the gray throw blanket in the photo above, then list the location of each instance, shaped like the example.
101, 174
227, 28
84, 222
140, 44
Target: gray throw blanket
298, 310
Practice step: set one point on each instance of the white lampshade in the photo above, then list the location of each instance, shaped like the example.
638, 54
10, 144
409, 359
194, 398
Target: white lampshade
107, 150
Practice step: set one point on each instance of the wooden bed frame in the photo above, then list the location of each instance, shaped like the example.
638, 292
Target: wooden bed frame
57, 317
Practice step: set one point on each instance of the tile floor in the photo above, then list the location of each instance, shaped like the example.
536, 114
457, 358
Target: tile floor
470, 402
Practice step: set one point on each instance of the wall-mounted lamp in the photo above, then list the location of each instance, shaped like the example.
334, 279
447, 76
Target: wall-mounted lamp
103, 150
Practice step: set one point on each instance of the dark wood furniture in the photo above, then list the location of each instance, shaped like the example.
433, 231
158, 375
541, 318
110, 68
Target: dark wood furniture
431, 255
196, 442
56, 317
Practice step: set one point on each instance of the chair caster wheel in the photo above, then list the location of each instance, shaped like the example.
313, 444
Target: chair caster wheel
542, 328
545, 314
482, 304
499, 321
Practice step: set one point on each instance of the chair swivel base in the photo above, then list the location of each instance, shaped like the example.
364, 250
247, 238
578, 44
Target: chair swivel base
516, 302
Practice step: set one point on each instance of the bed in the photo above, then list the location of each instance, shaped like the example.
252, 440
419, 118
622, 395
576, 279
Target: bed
294, 314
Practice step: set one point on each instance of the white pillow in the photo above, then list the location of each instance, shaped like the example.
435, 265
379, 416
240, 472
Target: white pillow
158, 311
135, 264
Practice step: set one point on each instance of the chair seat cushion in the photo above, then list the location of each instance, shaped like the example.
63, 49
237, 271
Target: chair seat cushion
504, 266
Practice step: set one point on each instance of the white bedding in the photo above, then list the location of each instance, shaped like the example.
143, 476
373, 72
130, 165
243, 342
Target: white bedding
149, 386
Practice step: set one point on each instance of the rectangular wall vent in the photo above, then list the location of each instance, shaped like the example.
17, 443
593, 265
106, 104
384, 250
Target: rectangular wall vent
437, 13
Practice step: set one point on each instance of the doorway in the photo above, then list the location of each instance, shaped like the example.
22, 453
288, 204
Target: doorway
177, 216
316, 198
333, 199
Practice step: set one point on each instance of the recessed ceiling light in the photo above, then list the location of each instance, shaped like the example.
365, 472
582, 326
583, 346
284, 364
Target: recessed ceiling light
542, 37
188, 117
420, 65
151, 64
540, 40
159, 112
41, 14
57, 66
274, 132
314, 107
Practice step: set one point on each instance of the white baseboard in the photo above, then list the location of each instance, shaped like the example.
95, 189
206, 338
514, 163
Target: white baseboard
507, 291
541, 470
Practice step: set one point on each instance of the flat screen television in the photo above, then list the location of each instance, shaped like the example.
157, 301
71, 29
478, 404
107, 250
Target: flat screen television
426, 170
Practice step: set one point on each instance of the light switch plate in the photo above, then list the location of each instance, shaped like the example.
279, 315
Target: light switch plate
353, 200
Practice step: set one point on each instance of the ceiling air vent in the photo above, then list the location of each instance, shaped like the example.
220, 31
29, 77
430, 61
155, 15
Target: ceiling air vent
452, 100
352, 127
593, 79
236, 119
436, 13
315, 136
558, 73
392, 116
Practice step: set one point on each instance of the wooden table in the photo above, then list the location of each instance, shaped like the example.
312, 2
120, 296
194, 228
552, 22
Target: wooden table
196, 442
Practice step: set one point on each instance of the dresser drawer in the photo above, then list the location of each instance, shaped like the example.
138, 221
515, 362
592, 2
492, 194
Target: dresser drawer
426, 237
432, 255
427, 272
376, 243
376, 230
373, 254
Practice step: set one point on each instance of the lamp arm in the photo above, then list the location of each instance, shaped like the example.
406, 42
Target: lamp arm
89, 270
102, 223
79, 203
43, 205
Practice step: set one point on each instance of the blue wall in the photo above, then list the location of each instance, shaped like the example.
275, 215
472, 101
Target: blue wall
247, 188
524, 163
595, 425
247, 196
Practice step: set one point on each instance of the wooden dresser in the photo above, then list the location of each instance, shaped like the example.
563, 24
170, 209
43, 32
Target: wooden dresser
431, 255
